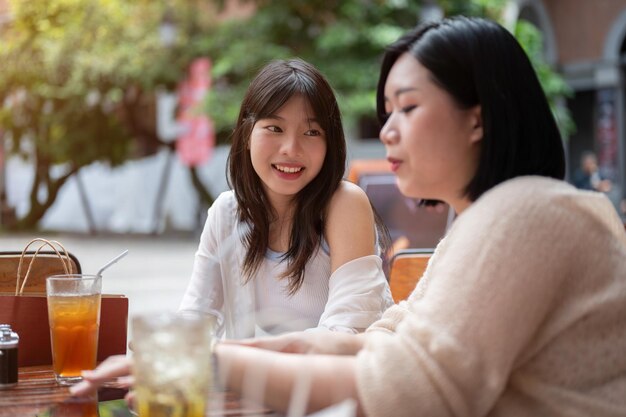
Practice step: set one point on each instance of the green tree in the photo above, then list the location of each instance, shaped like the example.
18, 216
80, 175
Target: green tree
344, 39
77, 84
552, 82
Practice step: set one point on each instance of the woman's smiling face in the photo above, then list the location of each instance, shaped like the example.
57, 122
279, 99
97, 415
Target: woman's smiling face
432, 144
287, 149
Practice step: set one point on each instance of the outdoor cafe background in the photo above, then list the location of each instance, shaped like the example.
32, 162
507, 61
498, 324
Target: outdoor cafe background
152, 194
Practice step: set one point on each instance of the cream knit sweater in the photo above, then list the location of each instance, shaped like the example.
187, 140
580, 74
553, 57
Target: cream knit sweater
521, 312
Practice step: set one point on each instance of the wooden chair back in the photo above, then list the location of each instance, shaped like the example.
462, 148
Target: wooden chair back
406, 269
46, 263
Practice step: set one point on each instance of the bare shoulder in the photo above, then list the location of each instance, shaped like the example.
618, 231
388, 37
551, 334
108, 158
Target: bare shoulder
347, 198
349, 229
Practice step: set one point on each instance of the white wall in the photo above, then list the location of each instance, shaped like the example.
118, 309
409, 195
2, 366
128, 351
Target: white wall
122, 199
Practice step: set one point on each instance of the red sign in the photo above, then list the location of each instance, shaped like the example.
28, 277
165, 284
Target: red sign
197, 138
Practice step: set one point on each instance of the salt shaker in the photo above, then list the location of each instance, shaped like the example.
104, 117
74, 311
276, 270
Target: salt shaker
8, 356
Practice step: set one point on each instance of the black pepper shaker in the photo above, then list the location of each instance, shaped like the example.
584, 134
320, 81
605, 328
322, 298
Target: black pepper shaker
8, 356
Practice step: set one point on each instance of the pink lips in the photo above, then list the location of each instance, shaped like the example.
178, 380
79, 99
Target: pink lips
394, 164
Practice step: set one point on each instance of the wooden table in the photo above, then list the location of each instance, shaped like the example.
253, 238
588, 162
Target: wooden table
38, 394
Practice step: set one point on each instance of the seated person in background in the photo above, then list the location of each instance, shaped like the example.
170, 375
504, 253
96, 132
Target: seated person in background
522, 309
292, 246
588, 176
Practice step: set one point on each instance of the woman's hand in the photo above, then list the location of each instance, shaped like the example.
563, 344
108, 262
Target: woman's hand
114, 368
318, 342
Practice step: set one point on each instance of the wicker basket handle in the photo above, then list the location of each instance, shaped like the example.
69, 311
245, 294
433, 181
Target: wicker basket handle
67, 266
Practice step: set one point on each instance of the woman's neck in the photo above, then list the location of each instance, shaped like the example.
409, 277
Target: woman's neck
460, 205
280, 228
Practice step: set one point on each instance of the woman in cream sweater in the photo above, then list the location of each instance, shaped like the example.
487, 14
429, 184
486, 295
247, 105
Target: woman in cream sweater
522, 310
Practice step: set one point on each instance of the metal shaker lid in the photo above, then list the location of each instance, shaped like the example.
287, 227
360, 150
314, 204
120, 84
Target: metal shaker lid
8, 338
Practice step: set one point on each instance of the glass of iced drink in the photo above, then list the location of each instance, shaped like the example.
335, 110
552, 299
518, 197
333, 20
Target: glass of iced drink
74, 317
172, 364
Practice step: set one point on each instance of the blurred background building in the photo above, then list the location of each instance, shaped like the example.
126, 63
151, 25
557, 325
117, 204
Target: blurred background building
586, 42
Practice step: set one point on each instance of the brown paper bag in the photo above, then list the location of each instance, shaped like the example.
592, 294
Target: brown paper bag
27, 313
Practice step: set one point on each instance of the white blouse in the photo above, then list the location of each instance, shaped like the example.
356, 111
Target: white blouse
350, 299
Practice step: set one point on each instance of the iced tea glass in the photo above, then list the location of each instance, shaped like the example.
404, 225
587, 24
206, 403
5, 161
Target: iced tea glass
172, 364
74, 317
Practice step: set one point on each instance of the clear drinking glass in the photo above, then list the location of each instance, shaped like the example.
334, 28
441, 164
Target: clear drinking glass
172, 364
74, 317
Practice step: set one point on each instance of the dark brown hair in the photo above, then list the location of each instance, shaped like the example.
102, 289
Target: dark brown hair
273, 86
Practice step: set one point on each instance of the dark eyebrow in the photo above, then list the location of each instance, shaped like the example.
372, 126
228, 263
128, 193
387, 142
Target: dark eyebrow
277, 117
401, 91
405, 90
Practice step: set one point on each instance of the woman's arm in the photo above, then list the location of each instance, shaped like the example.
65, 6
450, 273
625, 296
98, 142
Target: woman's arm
287, 382
358, 292
303, 382
205, 293
317, 342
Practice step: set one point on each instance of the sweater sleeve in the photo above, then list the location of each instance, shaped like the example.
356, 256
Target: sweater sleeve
357, 296
205, 294
502, 266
